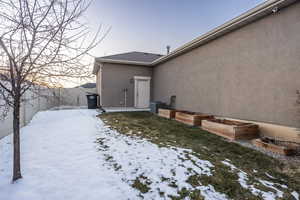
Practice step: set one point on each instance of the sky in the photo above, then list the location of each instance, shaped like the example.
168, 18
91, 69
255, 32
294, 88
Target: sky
151, 25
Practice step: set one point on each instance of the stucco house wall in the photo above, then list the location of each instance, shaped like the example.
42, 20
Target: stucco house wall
251, 73
115, 78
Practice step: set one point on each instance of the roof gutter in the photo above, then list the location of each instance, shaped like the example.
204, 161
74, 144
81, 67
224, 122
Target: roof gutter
246, 18
123, 62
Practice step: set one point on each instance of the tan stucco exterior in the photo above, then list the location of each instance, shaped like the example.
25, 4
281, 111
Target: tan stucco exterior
251, 73
115, 78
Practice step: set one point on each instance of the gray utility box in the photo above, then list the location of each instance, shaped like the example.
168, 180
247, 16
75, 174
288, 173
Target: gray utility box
155, 105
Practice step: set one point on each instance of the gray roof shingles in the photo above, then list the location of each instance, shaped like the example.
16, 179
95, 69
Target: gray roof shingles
133, 56
88, 85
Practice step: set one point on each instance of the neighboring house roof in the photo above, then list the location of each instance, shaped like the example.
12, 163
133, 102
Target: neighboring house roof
262, 10
87, 85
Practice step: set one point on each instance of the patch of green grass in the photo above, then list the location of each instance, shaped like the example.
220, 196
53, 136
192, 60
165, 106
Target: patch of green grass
184, 193
142, 184
117, 167
224, 181
108, 157
206, 146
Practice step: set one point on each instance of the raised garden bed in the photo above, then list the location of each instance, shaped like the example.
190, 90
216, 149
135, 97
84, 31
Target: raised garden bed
191, 118
280, 147
167, 113
233, 130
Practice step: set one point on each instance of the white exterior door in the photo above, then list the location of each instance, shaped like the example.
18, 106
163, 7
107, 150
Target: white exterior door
142, 91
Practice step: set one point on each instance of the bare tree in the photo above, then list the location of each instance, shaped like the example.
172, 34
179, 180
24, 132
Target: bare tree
41, 42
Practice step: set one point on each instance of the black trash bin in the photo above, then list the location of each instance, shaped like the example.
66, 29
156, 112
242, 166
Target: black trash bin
92, 101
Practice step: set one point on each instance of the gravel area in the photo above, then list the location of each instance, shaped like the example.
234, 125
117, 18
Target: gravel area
289, 159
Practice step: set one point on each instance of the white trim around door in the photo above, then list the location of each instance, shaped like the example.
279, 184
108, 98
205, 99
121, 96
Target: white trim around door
141, 91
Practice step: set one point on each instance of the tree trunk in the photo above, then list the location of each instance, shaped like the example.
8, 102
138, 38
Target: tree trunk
16, 123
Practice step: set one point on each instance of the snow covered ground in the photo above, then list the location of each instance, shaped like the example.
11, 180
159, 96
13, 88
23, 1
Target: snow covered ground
72, 154
60, 161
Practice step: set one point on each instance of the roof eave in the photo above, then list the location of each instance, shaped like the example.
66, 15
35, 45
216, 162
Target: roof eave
124, 62
246, 18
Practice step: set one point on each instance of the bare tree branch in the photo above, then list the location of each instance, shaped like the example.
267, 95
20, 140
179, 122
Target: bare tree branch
42, 42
